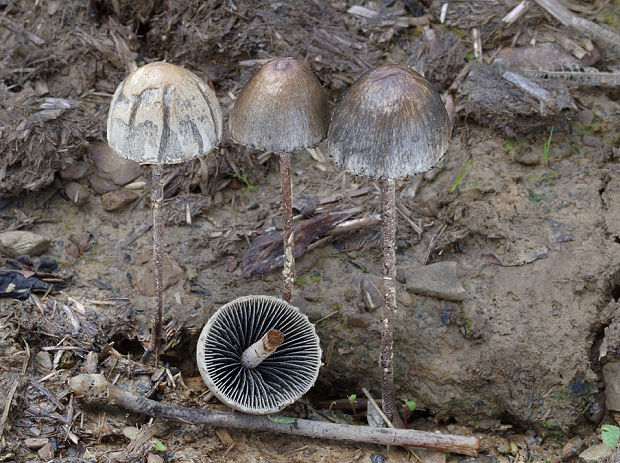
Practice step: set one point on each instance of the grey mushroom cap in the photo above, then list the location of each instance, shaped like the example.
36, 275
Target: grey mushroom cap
280, 379
163, 114
389, 124
283, 108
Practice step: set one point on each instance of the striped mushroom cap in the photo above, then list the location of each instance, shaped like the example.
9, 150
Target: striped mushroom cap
275, 382
283, 108
163, 114
389, 124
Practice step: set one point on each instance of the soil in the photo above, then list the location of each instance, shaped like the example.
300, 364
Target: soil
526, 206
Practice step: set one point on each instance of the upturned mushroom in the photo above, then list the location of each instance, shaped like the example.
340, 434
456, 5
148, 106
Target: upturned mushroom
281, 109
162, 114
258, 354
390, 124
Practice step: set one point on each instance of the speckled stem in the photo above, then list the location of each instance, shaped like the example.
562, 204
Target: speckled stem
157, 200
96, 389
389, 300
288, 272
261, 349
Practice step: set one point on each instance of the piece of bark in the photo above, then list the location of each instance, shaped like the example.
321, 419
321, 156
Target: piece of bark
266, 253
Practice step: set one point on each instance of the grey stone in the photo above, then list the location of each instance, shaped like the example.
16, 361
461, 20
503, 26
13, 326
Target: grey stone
437, 280
571, 448
611, 374
528, 157
74, 171
595, 453
44, 360
46, 452
371, 293
112, 167
77, 193
117, 199
21, 243
35, 443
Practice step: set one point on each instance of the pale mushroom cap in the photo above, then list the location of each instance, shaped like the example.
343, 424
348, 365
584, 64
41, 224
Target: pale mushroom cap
277, 381
389, 124
283, 108
163, 114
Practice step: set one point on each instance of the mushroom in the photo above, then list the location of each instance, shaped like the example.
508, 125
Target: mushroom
162, 114
258, 354
390, 124
282, 109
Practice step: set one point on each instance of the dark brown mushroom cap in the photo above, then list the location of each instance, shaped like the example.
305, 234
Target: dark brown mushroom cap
390, 124
282, 108
277, 381
163, 114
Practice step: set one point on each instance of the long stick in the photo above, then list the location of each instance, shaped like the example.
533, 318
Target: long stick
389, 300
157, 201
288, 272
96, 389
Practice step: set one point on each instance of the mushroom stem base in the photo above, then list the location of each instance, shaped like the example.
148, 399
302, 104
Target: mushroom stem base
97, 390
389, 299
157, 202
261, 349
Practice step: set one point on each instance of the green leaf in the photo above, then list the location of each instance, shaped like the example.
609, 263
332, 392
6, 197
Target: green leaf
159, 445
410, 405
281, 419
610, 435
352, 397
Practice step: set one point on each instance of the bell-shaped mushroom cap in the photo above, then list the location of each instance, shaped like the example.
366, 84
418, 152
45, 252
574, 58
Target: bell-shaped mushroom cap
277, 381
282, 108
389, 124
163, 114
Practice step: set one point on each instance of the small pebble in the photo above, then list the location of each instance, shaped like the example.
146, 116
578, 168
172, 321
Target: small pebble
35, 443
585, 117
77, 193
20, 243
154, 458
92, 360
572, 448
117, 199
503, 445
595, 453
74, 171
231, 264
528, 157
377, 458
370, 294
46, 452
44, 360
141, 185
113, 167
100, 185
358, 320
404, 298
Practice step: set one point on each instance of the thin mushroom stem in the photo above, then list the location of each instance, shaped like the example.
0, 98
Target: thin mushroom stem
96, 389
288, 272
157, 201
261, 349
389, 300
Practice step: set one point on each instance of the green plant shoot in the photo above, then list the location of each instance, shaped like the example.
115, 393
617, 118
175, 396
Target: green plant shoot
462, 173
245, 180
546, 147
410, 404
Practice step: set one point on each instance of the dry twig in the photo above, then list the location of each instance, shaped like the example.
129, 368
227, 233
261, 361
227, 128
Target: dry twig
97, 390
